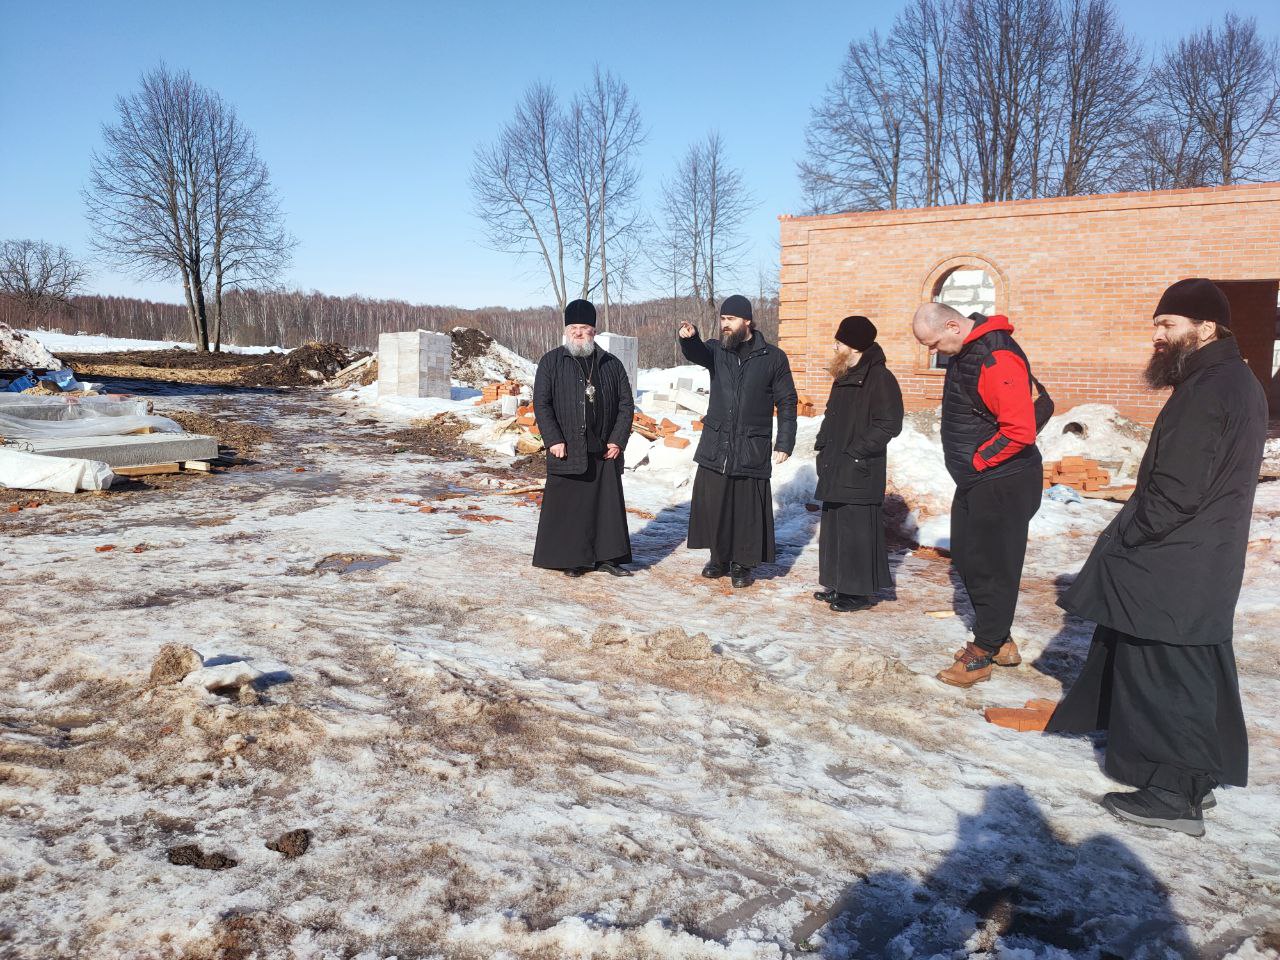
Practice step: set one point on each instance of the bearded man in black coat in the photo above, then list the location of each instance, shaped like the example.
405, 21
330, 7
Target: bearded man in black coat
1163, 579
864, 412
583, 404
731, 510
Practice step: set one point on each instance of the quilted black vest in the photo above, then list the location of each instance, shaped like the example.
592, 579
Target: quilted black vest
967, 423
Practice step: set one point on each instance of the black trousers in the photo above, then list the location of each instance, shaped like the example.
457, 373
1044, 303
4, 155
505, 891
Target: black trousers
988, 544
584, 518
733, 516
1172, 713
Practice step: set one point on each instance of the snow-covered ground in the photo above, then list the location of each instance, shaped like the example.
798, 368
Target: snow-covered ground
98, 343
500, 762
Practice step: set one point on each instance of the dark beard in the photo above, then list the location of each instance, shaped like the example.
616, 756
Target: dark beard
1168, 367
733, 341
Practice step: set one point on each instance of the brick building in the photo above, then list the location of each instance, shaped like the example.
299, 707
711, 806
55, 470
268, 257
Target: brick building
1077, 276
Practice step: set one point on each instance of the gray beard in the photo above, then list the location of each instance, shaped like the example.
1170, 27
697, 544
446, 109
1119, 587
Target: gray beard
579, 349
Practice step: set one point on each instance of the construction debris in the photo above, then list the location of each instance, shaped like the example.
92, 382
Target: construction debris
1032, 718
1086, 476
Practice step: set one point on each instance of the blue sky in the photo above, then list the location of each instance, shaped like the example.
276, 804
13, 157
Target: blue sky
368, 113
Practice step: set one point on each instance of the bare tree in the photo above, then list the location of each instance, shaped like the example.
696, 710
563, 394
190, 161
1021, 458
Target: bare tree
39, 275
147, 195
178, 191
921, 41
704, 205
727, 205
855, 141
518, 185
1102, 76
1169, 155
1225, 82
614, 135
1008, 47
249, 242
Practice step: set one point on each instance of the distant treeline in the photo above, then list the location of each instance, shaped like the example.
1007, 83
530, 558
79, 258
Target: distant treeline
291, 318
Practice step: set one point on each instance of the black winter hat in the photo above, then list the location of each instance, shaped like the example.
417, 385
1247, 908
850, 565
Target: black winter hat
580, 311
857, 333
1197, 299
736, 306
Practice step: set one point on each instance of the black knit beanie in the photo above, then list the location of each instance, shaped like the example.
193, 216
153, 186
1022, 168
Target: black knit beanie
857, 333
580, 311
736, 306
1196, 299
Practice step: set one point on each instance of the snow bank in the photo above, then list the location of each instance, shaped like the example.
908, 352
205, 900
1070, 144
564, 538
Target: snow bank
19, 349
99, 343
1106, 436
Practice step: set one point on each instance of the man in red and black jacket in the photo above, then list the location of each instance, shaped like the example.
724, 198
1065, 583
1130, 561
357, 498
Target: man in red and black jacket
989, 441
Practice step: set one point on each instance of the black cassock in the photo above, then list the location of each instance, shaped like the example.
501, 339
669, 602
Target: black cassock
733, 516
1172, 712
584, 516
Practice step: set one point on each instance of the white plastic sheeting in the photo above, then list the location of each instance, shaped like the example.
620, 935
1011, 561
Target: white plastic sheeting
30, 471
27, 416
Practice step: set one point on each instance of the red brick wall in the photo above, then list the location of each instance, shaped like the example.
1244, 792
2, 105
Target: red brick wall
1078, 277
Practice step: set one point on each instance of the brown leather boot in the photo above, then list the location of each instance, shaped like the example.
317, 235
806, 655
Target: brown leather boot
1006, 656
972, 666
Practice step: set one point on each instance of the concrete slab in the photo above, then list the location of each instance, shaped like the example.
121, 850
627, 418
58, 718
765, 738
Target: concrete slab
626, 349
131, 451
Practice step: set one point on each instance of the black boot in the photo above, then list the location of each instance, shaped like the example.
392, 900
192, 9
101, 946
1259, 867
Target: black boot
1153, 807
846, 603
714, 570
576, 571
613, 569
826, 596
741, 575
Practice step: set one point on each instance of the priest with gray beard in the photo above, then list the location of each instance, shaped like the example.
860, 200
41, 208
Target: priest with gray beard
583, 404
1163, 579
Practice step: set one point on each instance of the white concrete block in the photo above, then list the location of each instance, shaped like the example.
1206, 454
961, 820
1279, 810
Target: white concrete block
414, 364
626, 349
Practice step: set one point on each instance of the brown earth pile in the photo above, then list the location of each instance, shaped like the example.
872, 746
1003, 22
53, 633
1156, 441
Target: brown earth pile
308, 365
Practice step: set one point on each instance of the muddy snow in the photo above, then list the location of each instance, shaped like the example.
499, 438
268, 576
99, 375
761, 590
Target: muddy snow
403, 741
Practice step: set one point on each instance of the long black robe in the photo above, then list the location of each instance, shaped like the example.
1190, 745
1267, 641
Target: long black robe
733, 516
852, 558
1172, 712
584, 518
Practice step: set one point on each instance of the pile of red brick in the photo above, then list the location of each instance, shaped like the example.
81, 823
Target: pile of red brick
805, 407
645, 425
525, 418
1077, 472
492, 391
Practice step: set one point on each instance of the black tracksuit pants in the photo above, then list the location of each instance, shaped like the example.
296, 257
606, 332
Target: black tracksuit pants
988, 544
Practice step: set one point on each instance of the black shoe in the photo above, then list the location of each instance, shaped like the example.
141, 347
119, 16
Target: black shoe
741, 575
611, 568
826, 596
576, 571
714, 571
1209, 801
846, 603
1152, 809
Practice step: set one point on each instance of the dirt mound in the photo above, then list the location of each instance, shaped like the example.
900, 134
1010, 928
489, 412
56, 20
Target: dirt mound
308, 365
439, 436
479, 360
315, 362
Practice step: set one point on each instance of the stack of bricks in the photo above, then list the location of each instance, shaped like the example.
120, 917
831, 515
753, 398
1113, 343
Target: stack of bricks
645, 425
805, 407
493, 391
526, 419
670, 434
1077, 472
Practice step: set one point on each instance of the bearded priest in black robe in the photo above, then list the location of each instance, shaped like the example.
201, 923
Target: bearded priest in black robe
1163, 579
731, 510
583, 404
